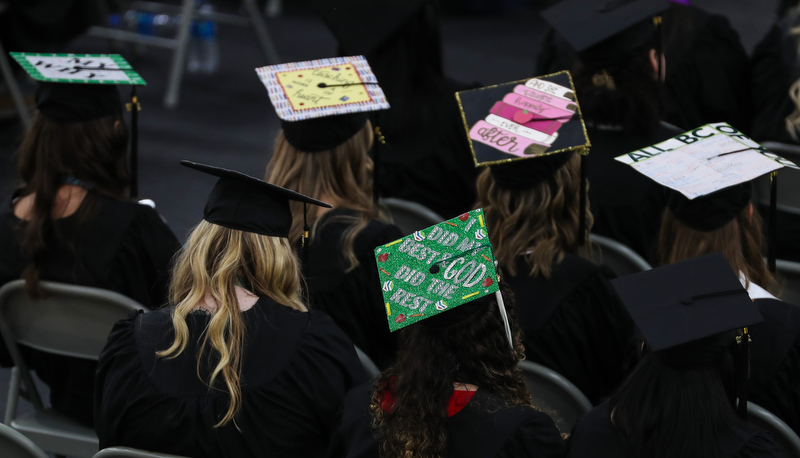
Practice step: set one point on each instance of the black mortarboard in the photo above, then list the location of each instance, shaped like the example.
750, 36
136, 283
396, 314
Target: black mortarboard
686, 303
712, 211
606, 31
67, 103
323, 134
361, 26
239, 201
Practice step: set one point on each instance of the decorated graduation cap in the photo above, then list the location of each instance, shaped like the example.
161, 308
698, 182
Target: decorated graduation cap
688, 313
708, 171
322, 103
607, 31
82, 87
239, 201
362, 26
433, 275
526, 130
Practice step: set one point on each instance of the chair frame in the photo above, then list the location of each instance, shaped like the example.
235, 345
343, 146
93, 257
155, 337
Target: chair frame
620, 249
128, 452
418, 210
783, 434
558, 383
23, 321
22, 444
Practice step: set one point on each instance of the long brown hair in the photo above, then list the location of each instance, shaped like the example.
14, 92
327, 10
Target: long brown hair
92, 151
540, 221
210, 265
429, 362
741, 240
342, 174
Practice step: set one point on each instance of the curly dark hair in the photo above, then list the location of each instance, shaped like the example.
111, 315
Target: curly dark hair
473, 351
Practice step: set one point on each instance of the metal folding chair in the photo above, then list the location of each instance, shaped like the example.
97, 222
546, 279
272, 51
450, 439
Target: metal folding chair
622, 260
15, 445
188, 11
763, 419
789, 273
555, 395
410, 216
127, 452
70, 321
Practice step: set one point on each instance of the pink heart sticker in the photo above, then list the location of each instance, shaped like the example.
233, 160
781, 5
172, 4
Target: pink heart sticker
522, 116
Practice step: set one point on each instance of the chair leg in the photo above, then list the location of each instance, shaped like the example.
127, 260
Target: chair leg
261, 32
13, 397
13, 89
179, 55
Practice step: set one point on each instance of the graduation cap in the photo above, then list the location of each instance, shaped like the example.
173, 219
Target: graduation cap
239, 201
526, 130
606, 31
708, 170
687, 312
322, 103
82, 87
437, 273
362, 26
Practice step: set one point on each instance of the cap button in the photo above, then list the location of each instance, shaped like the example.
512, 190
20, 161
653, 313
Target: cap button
686, 300
434, 268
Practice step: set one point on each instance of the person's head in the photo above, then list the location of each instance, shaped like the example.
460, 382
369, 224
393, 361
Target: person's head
532, 207
471, 348
77, 133
680, 399
725, 222
619, 60
336, 168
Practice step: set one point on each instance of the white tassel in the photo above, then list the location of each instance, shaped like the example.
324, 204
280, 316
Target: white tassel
502, 306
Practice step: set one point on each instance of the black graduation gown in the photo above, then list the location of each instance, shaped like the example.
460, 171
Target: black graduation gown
296, 369
775, 361
575, 324
595, 436
121, 246
353, 299
627, 206
485, 427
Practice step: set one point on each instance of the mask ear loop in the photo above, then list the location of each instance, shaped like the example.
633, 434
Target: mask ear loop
501, 305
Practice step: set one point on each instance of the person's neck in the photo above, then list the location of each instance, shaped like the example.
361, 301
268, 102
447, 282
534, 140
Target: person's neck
68, 199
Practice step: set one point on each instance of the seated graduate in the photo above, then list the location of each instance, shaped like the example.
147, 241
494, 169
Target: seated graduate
680, 399
237, 367
726, 221
327, 156
422, 159
455, 389
534, 197
618, 78
70, 221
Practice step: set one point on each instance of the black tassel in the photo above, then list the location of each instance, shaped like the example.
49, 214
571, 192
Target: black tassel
305, 242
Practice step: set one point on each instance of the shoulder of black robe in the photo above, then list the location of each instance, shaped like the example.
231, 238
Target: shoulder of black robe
626, 205
296, 370
775, 361
575, 324
352, 298
708, 80
486, 426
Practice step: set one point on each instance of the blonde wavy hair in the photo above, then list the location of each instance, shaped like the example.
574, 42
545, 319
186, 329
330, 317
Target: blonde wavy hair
540, 221
793, 120
214, 260
343, 175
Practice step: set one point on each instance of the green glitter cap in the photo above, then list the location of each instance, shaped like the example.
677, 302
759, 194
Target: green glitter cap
78, 68
436, 269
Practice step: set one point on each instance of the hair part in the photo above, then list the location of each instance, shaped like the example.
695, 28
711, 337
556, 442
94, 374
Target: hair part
540, 222
210, 265
741, 240
92, 151
474, 351
342, 174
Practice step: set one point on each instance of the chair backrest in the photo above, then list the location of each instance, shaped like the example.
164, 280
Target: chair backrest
71, 320
622, 260
410, 216
789, 272
761, 418
15, 445
127, 452
554, 394
369, 367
